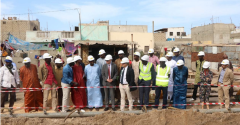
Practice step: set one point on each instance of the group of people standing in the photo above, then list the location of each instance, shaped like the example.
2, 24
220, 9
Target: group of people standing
105, 81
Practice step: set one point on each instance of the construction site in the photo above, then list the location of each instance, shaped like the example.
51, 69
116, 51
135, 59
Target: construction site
26, 38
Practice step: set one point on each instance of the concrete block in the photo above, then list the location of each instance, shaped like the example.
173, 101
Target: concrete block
232, 55
214, 65
188, 62
193, 65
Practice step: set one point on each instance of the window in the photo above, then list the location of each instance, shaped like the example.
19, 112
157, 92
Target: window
146, 48
43, 34
4, 22
183, 33
76, 28
67, 34
171, 33
178, 33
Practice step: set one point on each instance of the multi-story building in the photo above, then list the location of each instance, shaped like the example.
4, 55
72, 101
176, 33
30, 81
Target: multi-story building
173, 33
17, 28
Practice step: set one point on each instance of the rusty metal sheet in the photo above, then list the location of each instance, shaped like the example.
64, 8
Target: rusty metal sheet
208, 56
214, 57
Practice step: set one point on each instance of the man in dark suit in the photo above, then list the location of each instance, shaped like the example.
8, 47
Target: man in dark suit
126, 80
109, 75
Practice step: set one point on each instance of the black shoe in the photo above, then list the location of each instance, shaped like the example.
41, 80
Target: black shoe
106, 109
114, 109
140, 108
44, 112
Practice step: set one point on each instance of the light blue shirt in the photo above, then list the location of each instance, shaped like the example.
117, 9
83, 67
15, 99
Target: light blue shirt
100, 62
222, 75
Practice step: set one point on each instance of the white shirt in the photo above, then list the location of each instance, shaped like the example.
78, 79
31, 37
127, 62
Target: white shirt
7, 79
124, 75
110, 65
144, 67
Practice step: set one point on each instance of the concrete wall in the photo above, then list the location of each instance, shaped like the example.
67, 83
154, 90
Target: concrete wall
159, 37
143, 39
94, 32
47, 36
17, 28
218, 33
128, 28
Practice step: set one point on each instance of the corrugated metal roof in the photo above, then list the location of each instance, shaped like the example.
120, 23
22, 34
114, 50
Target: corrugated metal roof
104, 42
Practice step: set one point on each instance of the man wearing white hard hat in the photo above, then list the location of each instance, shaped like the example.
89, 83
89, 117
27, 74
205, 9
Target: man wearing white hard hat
79, 95
177, 56
46, 75
172, 64
206, 77
9, 80
67, 82
93, 73
225, 77
29, 78
162, 79
199, 68
180, 76
109, 76
152, 58
101, 61
126, 80
119, 66
135, 67
146, 76
58, 76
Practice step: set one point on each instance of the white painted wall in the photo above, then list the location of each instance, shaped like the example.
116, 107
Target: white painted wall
31, 36
174, 30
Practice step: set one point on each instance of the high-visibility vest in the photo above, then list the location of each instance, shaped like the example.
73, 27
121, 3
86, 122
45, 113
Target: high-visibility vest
145, 75
162, 76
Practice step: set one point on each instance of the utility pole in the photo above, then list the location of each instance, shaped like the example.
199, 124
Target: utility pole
79, 12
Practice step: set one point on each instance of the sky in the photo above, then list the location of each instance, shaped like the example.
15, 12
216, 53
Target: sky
164, 13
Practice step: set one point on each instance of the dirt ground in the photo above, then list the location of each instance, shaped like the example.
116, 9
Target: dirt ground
155, 117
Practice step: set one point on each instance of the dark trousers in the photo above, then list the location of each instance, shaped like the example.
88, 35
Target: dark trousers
102, 89
12, 96
194, 96
59, 97
6, 99
158, 93
144, 91
112, 93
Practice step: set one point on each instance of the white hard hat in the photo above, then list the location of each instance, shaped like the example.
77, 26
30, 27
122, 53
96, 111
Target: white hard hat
163, 59
70, 60
120, 52
76, 58
108, 57
101, 51
8, 58
176, 50
58, 60
46, 56
90, 58
206, 65
169, 54
151, 51
137, 54
145, 57
180, 62
125, 60
26, 60
225, 62
201, 53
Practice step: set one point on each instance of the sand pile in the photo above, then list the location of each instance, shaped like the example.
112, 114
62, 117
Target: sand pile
155, 117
